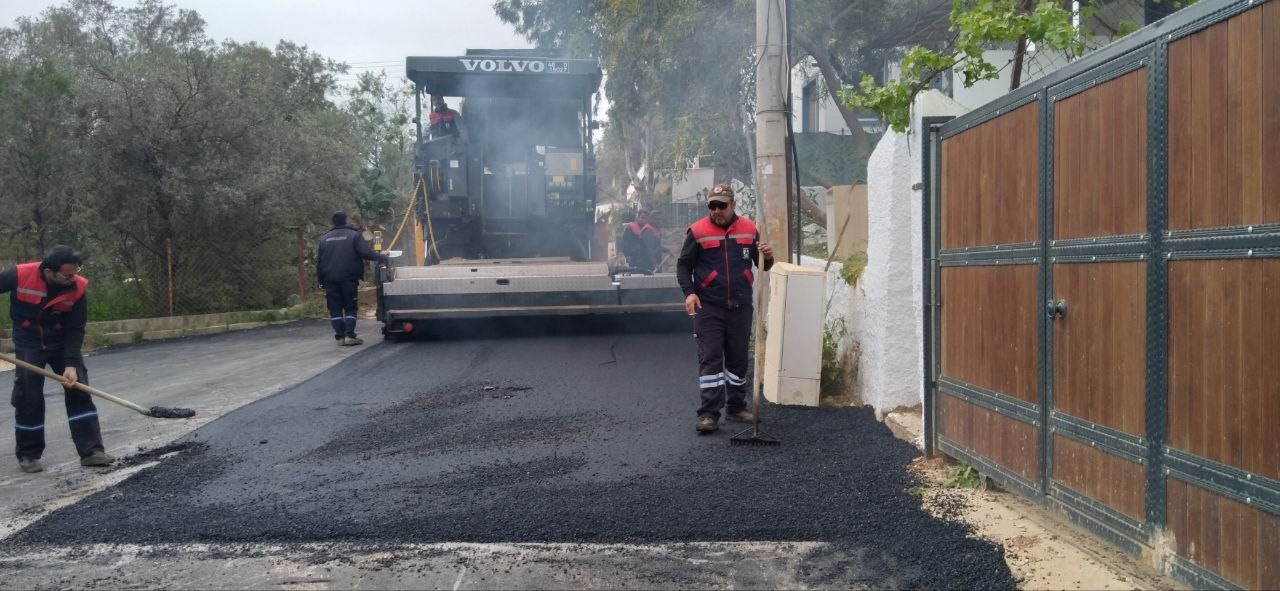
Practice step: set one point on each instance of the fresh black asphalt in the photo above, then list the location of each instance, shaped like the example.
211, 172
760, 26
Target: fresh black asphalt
556, 433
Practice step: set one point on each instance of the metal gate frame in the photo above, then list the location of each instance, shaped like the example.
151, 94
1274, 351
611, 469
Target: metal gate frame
1157, 246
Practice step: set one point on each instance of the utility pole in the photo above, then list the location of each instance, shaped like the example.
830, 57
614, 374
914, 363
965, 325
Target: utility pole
772, 175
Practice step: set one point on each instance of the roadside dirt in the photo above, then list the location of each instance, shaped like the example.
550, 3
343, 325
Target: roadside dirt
1043, 550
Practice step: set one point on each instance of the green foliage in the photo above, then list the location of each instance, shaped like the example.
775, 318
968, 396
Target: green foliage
38, 156
817, 250
679, 78
851, 267
314, 306
169, 159
963, 476
832, 372
978, 25
114, 301
380, 111
97, 340
1126, 27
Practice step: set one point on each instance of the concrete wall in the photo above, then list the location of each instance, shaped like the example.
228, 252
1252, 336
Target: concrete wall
892, 329
846, 230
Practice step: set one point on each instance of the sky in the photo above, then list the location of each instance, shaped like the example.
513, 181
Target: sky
366, 34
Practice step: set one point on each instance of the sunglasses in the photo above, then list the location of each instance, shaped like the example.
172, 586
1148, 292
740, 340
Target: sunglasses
717, 205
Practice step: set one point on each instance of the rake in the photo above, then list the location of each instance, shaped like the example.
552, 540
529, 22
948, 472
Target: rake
159, 412
757, 437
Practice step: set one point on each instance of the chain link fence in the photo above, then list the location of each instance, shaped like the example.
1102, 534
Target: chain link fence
267, 272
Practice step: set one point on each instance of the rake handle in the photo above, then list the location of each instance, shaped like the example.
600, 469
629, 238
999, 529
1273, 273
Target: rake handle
78, 385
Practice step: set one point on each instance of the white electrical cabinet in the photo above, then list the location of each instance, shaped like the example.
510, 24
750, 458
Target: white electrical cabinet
793, 337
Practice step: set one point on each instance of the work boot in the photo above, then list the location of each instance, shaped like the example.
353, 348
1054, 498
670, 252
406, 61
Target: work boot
97, 458
354, 340
742, 416
707, 425
341, 340
30, 466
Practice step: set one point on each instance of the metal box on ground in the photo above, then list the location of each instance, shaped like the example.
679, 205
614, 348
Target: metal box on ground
793, 345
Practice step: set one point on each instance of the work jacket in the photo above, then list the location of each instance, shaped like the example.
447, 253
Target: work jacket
641, 245
720, 270
341, 254
46, 315
442, 123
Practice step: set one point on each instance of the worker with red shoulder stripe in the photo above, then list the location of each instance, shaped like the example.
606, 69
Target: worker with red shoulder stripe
715, 272
49, 310
641, 244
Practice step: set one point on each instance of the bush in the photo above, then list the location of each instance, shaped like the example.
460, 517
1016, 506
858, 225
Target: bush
852, 267
113, 301
833, 370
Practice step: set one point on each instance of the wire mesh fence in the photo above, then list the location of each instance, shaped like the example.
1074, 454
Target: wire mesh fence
237, 271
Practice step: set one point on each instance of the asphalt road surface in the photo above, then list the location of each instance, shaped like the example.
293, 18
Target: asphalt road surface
559, 454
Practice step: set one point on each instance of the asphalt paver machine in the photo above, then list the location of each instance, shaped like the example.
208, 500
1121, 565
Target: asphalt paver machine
504, 208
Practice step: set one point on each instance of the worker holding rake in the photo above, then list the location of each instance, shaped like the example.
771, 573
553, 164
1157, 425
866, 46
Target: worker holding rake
49, 311
715, 272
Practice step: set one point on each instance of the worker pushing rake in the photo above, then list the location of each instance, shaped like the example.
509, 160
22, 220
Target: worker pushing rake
50, 311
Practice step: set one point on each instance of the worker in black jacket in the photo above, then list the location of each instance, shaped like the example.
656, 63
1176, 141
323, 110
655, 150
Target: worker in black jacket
339, 268
49, 310
715, 272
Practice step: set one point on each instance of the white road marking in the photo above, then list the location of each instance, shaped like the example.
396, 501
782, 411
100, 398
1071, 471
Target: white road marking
458, 583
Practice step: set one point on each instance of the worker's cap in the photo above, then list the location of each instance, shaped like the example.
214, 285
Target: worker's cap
722, 193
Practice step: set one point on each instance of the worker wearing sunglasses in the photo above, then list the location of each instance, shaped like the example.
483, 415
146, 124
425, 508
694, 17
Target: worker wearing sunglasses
715, 272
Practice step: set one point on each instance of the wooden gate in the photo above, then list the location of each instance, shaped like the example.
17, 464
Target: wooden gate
1103, 249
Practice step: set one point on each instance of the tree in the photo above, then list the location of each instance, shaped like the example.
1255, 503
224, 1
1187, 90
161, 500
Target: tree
977, 25
184, 162
677, 75
840, 37
379, 110
38, 153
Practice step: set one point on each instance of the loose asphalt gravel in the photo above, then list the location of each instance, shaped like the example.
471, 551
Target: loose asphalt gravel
515, 436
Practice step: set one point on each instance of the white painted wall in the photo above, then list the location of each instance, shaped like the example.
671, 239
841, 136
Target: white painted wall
892, 328
829, 119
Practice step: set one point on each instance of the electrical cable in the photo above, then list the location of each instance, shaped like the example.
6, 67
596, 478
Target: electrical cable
791, 140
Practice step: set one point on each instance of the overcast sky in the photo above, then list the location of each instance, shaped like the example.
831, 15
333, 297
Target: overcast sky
367, 34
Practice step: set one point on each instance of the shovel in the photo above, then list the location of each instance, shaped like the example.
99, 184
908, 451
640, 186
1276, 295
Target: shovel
159, 412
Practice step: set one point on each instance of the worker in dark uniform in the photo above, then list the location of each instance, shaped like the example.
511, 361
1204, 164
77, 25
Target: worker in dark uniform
49, 310
715, 272
339, 268
641, 244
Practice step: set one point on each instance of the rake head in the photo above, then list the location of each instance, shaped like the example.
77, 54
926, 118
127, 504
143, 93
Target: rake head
164, 412
753, 436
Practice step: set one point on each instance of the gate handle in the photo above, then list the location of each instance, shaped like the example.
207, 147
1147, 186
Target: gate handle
1056, 309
